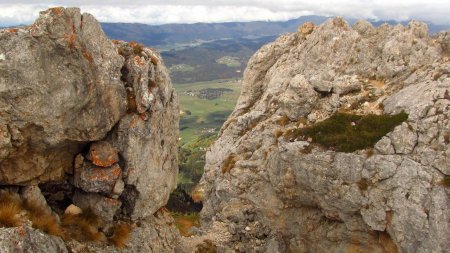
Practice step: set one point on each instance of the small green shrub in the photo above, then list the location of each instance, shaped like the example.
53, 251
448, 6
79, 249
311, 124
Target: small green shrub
350, 132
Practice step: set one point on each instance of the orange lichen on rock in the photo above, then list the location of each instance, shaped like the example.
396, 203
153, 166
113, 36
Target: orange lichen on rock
13, 30
103, 154
102, 174
139, 61
132, 44
57, 10
88, 56
21, 231
71, 40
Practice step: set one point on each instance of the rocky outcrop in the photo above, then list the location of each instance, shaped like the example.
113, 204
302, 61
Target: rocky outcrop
26, 239
60, 89
271, 191
93, 122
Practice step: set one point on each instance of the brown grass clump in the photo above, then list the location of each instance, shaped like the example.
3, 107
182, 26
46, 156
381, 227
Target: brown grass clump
185, 221
370, 152
138, 48
206, 247
446, 181
41, 219
363, 184
387, 243
120, 235
278, 133
283, 120
9, 210
229, 163
83, 227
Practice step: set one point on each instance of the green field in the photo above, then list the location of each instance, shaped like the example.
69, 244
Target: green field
200, 121
201, 117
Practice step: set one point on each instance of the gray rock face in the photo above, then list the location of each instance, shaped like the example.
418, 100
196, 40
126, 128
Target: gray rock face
97, 118
59, 89
276, 194
25, 239
147, 139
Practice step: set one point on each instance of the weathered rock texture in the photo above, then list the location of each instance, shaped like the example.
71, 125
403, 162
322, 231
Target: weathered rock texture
26, 239
278, 194
60, 89
94, 122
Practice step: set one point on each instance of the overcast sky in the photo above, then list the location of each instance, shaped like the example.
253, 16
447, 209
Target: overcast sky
13, 12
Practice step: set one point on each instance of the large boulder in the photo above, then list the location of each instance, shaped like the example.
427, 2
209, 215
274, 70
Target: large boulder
93, 122
60, 89
272, 191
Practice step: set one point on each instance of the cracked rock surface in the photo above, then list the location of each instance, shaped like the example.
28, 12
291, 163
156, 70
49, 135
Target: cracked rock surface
91, 122
271, 193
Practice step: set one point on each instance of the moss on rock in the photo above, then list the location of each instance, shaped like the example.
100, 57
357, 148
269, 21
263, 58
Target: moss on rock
350, 132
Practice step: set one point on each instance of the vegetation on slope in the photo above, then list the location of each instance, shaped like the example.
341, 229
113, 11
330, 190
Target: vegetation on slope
349, 132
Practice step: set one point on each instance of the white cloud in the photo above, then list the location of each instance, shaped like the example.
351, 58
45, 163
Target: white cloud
190, 11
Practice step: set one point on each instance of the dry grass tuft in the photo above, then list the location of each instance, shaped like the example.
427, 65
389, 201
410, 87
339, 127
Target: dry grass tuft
48, 224
370, 152
121, 235
41, 219
283, 120
83, 227
138, 48
363, 184
446, 181
10, 208
206, 247
229, 163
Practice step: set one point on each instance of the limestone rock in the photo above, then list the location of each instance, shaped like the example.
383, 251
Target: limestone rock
91, 178
103, 154
147, 140
93, 122
34, 195
306, 28
73, 210
280, 195
25, 239
60, 89
102, 206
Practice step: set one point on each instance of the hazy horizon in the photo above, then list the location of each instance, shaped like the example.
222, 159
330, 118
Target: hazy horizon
197, 11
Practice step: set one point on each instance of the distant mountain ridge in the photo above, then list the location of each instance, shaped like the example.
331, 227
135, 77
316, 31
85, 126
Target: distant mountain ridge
169, 34
192, 51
